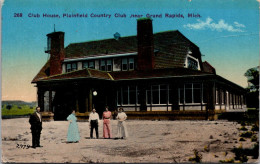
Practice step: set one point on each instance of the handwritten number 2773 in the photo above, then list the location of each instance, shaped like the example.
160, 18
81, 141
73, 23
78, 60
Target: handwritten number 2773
20, 146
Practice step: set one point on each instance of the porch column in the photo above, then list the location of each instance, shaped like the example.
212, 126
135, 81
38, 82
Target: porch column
90, 100
50, 100
87, 100
211, 96
175, 97
142, 98
76, 93
40, 93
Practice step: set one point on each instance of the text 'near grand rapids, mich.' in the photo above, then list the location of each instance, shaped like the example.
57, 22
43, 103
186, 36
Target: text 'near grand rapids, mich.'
116, 15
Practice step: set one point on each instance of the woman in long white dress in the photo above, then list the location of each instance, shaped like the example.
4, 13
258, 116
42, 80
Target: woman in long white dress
121, 127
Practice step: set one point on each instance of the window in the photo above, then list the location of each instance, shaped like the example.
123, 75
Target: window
109, 65
157, 94
91, 64
196, 93
88, 64
71, 67
68, 67
85, 64
74, 66
103, 65
131, 64
48, 43
193, 64
124, 64
127, 95
190, 93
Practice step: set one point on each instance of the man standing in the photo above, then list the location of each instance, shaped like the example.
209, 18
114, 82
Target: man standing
36, 127
93, 122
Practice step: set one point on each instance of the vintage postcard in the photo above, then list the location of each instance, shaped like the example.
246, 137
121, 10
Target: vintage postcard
130, 81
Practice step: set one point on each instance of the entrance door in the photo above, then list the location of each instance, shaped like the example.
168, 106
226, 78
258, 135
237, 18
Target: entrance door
63, 103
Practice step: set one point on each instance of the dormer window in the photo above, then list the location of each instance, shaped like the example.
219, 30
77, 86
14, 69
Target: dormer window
193, 64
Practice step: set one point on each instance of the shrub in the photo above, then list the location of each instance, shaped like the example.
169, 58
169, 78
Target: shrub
255, 151
231, 160
255, 128
241, 139
206, 148
243, 128
8, 107
19, 107
247, 134
243, 123
197, 156
254, 138
241, 154
31, 107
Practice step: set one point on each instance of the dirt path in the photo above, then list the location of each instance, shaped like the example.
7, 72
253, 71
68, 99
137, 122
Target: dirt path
149, 141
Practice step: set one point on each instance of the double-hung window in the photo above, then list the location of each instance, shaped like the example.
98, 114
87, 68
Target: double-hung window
124, 64
71, 67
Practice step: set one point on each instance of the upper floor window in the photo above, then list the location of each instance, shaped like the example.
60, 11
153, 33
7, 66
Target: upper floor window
88, 64
71, 67
103, 65
106, 65
128, 64
109, 65
131, 63
124, 64
193, 64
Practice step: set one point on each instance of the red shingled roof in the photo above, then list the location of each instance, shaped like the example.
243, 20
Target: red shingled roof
171, 49
208, 68
44, 72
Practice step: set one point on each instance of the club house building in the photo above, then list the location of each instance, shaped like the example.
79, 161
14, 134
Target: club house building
150, 75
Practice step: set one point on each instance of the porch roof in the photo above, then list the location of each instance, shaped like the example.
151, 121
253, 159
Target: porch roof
124, 75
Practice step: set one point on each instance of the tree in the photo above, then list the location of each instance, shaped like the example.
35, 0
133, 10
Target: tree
252, 75
252, 96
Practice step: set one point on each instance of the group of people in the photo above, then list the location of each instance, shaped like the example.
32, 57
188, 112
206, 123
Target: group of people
73, 130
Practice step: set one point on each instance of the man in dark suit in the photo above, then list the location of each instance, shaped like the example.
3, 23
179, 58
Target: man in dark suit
36, 127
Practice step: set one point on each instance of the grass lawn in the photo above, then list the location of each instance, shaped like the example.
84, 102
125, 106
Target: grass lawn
17, 110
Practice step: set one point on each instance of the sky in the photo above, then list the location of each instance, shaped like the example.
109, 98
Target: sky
226, 31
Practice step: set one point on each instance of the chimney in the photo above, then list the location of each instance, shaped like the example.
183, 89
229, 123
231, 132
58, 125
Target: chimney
56, 50
145, 42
